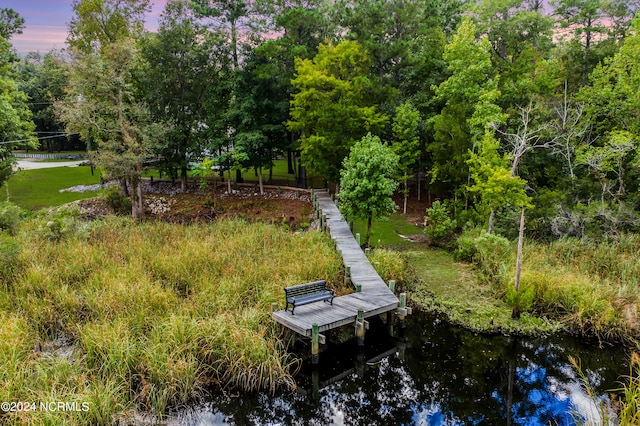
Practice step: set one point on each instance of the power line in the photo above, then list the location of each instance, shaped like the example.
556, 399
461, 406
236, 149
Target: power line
40, 138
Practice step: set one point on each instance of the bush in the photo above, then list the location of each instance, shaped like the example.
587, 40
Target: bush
116, 202
63, 223
390, 265
9, 256
439, 226
522, 299
10, 216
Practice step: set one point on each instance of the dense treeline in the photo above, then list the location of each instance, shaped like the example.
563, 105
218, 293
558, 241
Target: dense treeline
495, 105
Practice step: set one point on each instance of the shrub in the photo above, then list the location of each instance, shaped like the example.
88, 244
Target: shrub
9, 256
10, 216
439, 226
62, 223
389, 264
116, 202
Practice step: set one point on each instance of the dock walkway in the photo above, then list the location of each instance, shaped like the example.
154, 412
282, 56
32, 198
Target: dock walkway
374, 298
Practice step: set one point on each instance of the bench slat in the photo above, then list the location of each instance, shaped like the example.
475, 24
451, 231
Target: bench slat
307, 293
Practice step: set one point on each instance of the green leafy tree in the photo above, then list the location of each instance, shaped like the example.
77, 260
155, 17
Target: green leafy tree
331, 107
495, 180
261, 107
366, 181
101, 103
44, 80
182, 64
98, 23
16, 125
406, 144
10, 23
469, 95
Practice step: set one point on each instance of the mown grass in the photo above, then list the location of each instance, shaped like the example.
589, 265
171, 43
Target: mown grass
386, 233
453, 289
40, 188
152, 312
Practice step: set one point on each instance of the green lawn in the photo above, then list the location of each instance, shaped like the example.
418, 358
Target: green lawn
453, 288
36, 189
387, 231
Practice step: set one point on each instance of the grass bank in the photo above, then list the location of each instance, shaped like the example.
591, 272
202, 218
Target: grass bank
129, 316
39, 188
451, 288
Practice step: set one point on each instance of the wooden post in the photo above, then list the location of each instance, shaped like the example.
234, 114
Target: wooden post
274, 307
324, 222
392, 286
358, 288
347, 275
360, 328
358, 238
367, 251
315, 344
403, 308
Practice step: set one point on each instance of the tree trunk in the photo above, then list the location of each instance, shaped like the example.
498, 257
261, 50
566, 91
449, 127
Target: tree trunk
290, 162
137, 208
183, 178
124, 190
229, 183
492, 217
406, 197
271, 174
260, 181
516, 285
418, 179
239, 176
369, 220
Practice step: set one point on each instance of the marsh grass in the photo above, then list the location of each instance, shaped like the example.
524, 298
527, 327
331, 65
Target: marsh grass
590, 286
153, 313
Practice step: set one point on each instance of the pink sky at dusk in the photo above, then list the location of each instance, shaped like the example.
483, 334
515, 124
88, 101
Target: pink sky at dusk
46, 23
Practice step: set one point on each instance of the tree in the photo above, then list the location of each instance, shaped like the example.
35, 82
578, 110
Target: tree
366, 181
406, 144
261, 107
10, 23
331, 107
183, 64
469, 95
495, 180
44, 80
596, 26
101, 104
16, 125
98, 23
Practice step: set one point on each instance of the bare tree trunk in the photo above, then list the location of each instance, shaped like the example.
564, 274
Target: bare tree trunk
183, 178
260, 181
137, 208
516, 285
492, 217
418, 179
229, 183
124, 190
406, 197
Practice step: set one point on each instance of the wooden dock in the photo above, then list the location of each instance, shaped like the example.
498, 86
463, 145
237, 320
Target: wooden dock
374, 297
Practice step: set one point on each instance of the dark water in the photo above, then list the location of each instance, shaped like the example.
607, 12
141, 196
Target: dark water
430, 373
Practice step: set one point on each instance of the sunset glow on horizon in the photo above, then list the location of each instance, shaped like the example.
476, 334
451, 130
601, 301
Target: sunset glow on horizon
46, 23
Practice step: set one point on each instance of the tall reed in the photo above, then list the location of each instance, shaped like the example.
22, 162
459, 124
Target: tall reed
150, 313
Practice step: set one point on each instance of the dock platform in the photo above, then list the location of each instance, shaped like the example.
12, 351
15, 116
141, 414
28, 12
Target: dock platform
374, 297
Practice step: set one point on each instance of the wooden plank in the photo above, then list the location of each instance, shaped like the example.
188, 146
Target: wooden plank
375, 298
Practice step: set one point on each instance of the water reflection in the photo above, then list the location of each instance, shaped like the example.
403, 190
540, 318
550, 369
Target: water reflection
433, 374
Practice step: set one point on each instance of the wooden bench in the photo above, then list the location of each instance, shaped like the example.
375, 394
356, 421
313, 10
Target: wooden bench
303, 294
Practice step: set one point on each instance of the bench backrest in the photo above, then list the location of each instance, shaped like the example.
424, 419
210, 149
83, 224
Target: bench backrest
301, 289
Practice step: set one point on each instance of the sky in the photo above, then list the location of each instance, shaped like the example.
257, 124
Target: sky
46, 23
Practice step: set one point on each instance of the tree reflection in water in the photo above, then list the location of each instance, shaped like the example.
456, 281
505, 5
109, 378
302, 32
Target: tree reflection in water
433, 374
